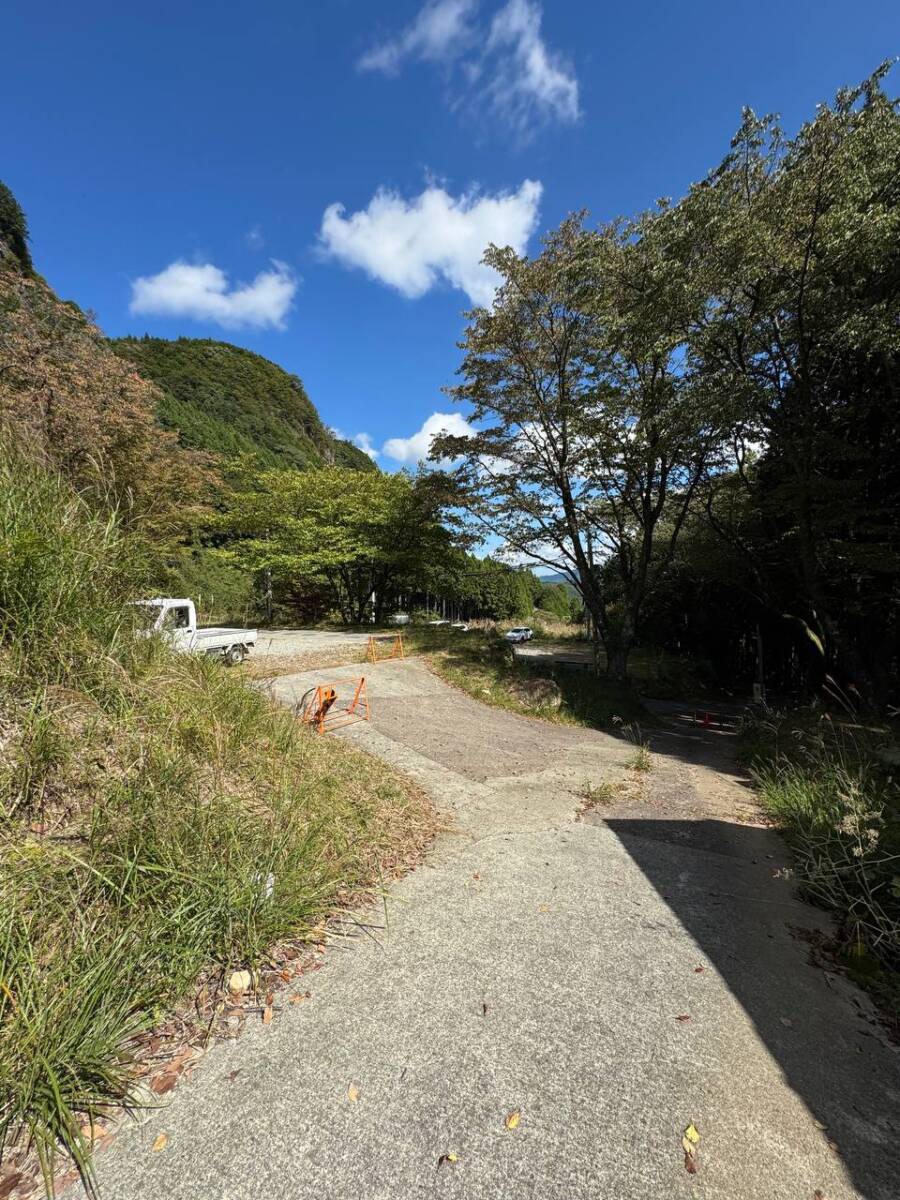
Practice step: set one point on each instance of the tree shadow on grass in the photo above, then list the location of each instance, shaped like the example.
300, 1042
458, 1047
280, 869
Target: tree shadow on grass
717, 878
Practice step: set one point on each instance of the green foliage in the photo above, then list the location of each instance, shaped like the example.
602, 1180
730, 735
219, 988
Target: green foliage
224, 593
359, 532
230, 401
799, 241
13, 230
577, 385
745, 339
66, 574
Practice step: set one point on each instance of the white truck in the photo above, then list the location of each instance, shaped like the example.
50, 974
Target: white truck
176, 621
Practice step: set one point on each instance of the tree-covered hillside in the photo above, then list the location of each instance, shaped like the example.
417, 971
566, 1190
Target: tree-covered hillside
227, 400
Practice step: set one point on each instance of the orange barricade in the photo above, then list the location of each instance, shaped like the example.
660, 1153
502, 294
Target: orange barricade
396, 649
319, 707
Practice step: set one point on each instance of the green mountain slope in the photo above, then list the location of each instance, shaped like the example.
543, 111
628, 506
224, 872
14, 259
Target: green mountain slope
227, 400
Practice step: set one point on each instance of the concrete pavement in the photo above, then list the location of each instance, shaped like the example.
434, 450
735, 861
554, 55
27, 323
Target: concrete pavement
613, 977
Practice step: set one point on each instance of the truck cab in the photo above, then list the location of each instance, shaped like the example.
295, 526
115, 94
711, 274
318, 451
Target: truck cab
176, 621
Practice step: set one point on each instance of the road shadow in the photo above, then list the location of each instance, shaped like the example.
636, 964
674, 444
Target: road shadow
719, 879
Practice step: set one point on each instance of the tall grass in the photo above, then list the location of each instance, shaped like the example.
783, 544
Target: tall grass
158, 818
826, 783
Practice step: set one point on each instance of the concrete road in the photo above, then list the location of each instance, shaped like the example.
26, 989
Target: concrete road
282, 642
612, 977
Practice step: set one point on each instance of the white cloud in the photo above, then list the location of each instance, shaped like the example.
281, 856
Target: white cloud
504, 66
202, 293
411, 245
530, 80
416, 448
441, 29
364, 442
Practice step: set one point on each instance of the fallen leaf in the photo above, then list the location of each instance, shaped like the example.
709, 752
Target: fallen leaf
300, 998
484, 1009
91, 1133
353, 1093
687, 1147
697, 970
232, 1075
818, 1194
286, 975
161, 1142
163, 1083
270, 999
683, 1017
513, 1119
543, 908
476, 874
267, 1015
450, 1157
690, 1163
692, 1133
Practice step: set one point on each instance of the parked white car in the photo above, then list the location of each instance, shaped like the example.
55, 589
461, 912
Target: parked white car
398, 618
176, 621
462, 626
521, 633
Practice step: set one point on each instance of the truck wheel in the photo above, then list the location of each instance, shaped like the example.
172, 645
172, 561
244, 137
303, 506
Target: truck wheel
235, 655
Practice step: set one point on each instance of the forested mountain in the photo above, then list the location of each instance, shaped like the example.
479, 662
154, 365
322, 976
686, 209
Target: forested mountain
229, 401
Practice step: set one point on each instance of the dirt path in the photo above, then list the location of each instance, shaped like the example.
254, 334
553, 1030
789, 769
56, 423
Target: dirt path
611, 975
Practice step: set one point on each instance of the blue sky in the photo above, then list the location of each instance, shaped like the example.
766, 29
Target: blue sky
315, 181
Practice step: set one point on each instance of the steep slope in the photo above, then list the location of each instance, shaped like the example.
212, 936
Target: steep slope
67, 401
227, 400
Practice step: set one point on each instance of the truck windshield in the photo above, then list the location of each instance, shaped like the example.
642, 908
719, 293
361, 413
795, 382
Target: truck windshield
177, 618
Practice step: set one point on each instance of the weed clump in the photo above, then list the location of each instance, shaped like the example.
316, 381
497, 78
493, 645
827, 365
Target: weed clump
830, 785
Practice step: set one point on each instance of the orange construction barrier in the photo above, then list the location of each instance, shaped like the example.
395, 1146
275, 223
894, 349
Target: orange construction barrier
396, 649
318, 707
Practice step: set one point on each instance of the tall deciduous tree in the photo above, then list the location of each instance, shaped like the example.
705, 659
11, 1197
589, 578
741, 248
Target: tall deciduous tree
798, 244
591, 439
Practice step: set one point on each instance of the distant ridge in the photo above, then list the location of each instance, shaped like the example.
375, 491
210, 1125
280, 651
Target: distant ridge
227, 400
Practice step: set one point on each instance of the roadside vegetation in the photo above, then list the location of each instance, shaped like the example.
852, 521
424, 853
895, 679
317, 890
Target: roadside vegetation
830, 783
481, 663
158, 818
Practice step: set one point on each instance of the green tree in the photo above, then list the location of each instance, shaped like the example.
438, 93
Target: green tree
14, 229
798, 244
369, 536
591, 440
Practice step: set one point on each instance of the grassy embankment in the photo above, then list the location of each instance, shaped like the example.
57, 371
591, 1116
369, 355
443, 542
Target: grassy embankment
158, 819
829, 783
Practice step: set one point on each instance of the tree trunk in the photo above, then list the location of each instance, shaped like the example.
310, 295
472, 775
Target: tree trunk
618, 648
